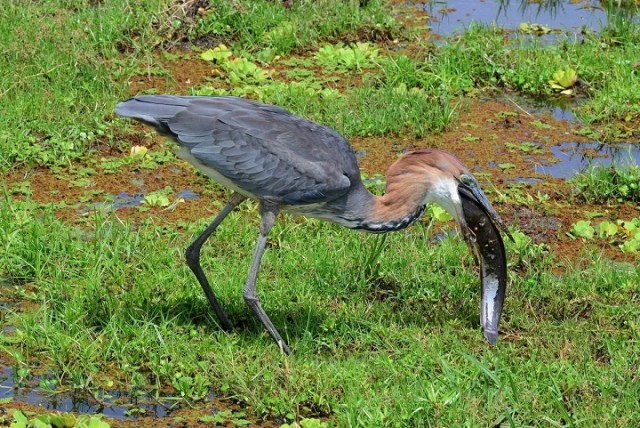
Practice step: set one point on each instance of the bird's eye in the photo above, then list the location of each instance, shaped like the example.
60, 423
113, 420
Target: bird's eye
466, 180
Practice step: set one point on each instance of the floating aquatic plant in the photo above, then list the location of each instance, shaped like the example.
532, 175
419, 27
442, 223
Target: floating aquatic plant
563, 80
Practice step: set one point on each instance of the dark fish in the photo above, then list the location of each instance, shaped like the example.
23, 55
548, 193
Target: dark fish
493, 263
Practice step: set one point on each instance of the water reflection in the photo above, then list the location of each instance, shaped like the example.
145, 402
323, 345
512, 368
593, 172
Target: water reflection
118, 404
454, 16
560, 113
124, 200
573, 157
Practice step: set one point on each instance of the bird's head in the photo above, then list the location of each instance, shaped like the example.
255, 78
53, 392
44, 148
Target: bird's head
443, 179
448, 182
438, 176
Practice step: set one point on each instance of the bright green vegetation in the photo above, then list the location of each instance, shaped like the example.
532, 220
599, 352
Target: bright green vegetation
613, 184
623, 234
601, 65
385, 106
55, 420
385, 332
609, 185
266, 24
397, 343
65, 63
60, 69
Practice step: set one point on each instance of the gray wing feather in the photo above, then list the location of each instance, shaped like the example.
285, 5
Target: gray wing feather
262, 149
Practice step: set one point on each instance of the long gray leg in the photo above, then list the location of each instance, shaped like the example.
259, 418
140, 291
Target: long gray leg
193, 258
268, 216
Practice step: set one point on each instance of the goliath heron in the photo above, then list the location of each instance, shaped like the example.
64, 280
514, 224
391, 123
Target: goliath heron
288, 163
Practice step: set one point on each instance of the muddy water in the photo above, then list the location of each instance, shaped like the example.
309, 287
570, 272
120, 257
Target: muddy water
113, 404
571, 157
129, 200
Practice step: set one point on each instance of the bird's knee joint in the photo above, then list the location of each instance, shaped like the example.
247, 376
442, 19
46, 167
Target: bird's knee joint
250, 298
192, 257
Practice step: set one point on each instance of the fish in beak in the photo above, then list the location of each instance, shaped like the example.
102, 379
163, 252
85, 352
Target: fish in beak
481, 226
452, 186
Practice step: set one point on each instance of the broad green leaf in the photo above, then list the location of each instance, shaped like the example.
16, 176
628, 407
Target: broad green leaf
583, 229
607, 229
19, 420
563, 79
220, 54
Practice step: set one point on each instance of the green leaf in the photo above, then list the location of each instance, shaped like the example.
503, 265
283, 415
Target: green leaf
220, 54
630, 227
96, 422
607, 229
438, 213
540, 124
563, 79
347, 58
313, 423
156, 200
219, 418
632, 245
537, 29
583, 229
506, 166
37, 423
20, 420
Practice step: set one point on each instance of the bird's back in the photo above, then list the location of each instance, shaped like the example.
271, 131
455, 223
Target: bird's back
260, 150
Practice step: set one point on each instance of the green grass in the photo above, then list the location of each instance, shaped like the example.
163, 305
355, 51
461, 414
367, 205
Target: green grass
400, 348
61, 75
65, 64
608, 184
388, 100
266, 24
392, 341
481, 57
60, 69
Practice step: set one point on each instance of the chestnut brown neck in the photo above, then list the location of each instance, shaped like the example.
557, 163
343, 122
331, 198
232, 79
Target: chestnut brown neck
409, 183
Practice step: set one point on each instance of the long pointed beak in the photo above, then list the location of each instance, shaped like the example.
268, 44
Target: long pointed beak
481, 226
475, 192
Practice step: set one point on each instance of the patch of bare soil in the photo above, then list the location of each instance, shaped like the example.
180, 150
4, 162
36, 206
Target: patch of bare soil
176, 75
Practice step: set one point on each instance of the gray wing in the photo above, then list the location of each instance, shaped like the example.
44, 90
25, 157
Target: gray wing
262, 149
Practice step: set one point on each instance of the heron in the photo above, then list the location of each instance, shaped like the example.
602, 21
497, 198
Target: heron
288, 163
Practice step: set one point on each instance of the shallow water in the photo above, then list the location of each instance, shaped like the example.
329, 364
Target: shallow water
453, 16
129, 200
119, 405
125, 200
573, 157
40, 391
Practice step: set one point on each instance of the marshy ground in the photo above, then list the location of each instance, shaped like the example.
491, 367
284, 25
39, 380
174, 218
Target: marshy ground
99, 314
